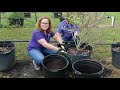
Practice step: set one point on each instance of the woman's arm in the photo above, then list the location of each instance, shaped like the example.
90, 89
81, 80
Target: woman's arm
57, 37
47, 45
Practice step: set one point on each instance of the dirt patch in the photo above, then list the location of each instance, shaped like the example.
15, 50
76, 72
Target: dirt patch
110, 70
25, 69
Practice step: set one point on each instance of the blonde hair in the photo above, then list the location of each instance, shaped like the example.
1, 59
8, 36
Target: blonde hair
38, 26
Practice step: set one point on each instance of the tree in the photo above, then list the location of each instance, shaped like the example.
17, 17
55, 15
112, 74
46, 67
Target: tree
88, 23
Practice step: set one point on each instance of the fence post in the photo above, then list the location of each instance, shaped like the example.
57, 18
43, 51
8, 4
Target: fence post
36, 16
113, 21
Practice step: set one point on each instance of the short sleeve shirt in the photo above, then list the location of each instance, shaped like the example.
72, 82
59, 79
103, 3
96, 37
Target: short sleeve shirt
37, 35
67, 31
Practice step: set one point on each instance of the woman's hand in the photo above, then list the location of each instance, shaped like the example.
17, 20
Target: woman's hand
61, 51
62, 46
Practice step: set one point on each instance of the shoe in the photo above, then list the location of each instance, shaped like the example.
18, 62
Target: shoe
36, 66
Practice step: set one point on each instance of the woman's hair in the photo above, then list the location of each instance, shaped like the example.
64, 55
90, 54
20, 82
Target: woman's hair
38, 26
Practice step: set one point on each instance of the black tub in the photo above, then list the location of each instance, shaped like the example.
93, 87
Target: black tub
116, 54
73, 58
55, 70
7, 59
87, 68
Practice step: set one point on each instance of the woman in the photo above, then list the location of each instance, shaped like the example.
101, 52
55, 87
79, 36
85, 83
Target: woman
67, 30
39, 44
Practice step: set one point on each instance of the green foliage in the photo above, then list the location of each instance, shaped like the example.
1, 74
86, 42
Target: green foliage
17, 15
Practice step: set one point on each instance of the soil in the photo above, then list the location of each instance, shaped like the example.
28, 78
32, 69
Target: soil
25, 69
74, 51
86, 69
116, 49
55, 64
22, 69
5, 49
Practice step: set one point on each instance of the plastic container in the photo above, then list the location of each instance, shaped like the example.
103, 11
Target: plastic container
7, 59
115, 55
54, 66
87, 68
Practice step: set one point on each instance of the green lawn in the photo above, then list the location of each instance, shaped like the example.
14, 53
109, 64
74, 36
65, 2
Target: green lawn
106, 34
30, 22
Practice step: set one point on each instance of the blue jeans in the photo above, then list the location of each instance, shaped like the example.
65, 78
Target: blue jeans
39, 55
67, 39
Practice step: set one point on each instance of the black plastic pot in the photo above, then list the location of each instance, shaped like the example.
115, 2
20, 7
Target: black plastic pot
57, 14
27, 14
16, 21
87, 68
55, 71
73, 58
61, 19
7, 59
115, 55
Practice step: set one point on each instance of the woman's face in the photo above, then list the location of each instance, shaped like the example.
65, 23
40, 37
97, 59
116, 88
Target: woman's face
45, 24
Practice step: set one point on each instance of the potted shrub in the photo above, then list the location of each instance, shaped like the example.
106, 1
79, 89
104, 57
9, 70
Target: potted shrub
82, 46
73, 54
16, 19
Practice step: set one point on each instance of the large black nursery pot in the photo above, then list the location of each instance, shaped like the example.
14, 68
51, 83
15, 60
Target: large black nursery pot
115, 49
55, 66
87, 68
72, 58
27, 14
16, 21
7, 58
57, 14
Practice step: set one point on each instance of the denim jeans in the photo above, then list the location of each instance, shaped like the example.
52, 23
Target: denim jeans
39, 55
68, 39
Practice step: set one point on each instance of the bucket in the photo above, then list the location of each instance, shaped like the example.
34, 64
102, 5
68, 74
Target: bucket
115, 49
54, 66
7, 59
72, 58
87, 68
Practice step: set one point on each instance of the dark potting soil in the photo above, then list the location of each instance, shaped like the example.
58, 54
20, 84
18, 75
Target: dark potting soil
55, 64
74, 51
87, 69
5, 49
116, 49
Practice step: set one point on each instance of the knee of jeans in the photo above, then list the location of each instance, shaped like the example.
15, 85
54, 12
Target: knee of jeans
54, 52
39, 59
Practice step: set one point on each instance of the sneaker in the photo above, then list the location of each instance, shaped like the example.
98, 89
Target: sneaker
36, 66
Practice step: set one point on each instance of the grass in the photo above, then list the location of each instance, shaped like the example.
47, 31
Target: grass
100, 52
106, 34
30, 22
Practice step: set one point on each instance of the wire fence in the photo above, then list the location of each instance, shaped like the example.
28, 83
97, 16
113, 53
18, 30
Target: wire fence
25, 19
7, 19
20, 32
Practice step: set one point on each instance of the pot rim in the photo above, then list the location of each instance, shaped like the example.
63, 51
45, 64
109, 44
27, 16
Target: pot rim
99, 72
